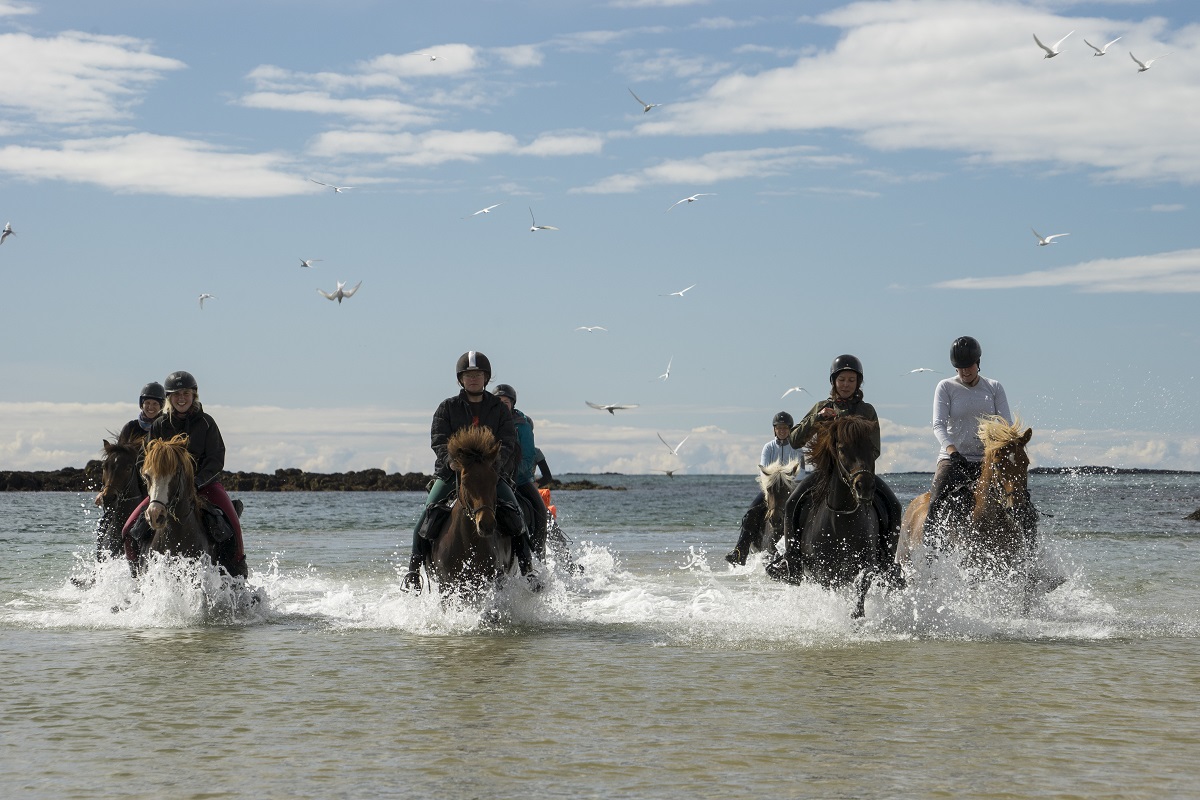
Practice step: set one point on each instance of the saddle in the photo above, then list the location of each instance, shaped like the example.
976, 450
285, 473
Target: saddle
508, 517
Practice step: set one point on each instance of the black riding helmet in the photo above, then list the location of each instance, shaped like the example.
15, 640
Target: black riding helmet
504, 390
152, 391
965, 352
843, 363
178, 381
473, 359
783, 418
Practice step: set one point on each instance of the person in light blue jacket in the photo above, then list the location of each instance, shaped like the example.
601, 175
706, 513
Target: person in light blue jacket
777, 451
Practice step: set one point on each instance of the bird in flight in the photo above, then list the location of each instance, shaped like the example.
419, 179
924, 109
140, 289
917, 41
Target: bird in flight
1051, 52
795, 389
487, 210
920, 369
8, 231
1043, 241
692, 199
340, 292
679, 293
1145, 65
308, 262
591, 328
611, 408
336, 189
670, 473
667, 374
674, 450
645, 106
535, 227
431, 56
206, 296
1101, 50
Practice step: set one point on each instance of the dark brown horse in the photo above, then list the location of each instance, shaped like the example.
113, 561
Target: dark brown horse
835, 542
174, 511
471, 553
120, 493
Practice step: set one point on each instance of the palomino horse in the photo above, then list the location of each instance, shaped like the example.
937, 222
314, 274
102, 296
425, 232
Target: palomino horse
776, 482
120, 493
472, 552
1000, 531
174, 511
836, 543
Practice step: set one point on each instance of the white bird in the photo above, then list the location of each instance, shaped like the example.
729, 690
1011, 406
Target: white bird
692, 199
645, 106
206, 296
308, 262
487, 210
8, 231
679, 293
674, 450
670, 473
340, 292
1051, 52
535, 227
1043, 241
336, 189
1145, 65
1101, 50
795, 389
667, 374
611, 408
432, 56
921, 369
591, 328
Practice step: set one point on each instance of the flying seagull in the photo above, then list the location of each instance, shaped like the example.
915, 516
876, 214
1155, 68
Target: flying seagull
1043, 241
1143, 66
670, 473
432, 56
487, 210
336, 189
674, 450
206, 296
679, 293
920, 369
1051, 52
340, 292
8, 231
645, 106
308, 262
795, 389
611, 408
692, 199
1101, 50
591, 328
667, 374
535, 227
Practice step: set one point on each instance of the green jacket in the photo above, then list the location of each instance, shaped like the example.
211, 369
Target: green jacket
804, 430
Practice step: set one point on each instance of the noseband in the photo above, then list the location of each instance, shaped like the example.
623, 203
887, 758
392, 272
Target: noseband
847, 478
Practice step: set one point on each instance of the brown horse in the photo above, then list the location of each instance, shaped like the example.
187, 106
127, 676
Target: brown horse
835, 541
471, 553
776, 482
174, 512
120, 493
1000, 532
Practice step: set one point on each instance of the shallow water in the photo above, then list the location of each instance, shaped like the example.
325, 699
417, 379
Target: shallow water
658, 672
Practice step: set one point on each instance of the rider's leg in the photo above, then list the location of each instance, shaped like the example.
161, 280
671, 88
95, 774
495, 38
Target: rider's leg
538, 535
512, 522
795, 502
233, 558
421, 547
889, 528
937, 496
752, 522
130, 551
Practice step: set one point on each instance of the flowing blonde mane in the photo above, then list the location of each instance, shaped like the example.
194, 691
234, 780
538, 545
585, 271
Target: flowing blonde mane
995, 432
777, 475
165, 457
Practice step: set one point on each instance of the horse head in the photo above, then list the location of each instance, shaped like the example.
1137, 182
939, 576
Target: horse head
776, 482
845, 448
118, 472
170, 474
473, 455
1005, 468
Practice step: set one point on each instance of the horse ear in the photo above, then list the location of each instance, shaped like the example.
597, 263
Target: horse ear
107, 446
795, 468
1028, 435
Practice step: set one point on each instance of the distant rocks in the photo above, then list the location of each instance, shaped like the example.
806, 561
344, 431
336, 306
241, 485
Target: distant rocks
1194, 515
68, 479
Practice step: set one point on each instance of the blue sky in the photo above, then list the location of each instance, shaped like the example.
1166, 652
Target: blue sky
874, 172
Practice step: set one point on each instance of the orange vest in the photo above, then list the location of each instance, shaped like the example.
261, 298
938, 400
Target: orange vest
545, 493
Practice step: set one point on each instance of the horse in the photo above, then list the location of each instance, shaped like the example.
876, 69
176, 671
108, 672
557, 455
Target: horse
472, 552
776, 482
837, 541
997, 531
120, 493
174, 512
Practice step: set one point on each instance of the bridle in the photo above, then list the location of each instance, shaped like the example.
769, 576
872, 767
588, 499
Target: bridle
847, 478
179, 498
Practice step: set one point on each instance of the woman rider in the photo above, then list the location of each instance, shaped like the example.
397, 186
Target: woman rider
184, 414
526, 464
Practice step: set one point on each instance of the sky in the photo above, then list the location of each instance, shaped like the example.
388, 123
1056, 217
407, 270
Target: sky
871, 176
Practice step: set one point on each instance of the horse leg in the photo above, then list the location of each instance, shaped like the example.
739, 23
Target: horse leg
749, 532
863, 585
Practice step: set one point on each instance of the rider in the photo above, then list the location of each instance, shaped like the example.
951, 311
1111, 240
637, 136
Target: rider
525, 466
184, 414
150, 404
958, 403
472, 406
845, 398
777, 451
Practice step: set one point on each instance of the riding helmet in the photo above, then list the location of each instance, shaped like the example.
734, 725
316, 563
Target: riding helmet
473, 359
845, 362
152, 391
504, 390
177, 381
965, 352
783, 418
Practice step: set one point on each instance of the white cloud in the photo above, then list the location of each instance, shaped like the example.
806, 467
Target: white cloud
13, 9
1177, 271
657, 3
374, 109
549, 144
439, 146
150, 164
1166, 208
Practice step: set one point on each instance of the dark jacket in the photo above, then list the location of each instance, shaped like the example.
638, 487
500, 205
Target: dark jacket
456, 413
204, 440
132, 430
855, 406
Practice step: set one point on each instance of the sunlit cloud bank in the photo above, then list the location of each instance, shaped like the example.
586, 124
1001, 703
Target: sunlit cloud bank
1177, 271
47, 436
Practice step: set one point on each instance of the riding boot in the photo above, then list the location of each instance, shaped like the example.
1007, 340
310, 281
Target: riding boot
751, 525
524, 552
422, 549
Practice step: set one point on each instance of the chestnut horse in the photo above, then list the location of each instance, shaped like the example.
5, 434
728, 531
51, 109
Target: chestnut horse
471, 553
1000, 531
174, 511
120, 493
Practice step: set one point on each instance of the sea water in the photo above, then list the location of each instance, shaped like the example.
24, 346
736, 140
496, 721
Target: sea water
657, 671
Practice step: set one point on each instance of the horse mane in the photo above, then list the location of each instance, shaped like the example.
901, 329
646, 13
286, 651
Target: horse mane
773, 476
822, 454
170, 456
995, 432
473, 444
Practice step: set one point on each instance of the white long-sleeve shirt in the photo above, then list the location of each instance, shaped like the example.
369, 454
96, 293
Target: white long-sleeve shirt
956, 412
777, 452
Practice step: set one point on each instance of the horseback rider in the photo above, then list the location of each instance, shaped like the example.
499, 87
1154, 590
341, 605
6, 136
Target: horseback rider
150, 404
525, 485
184, 414
958, 403
472, 406
776, 451
845, 398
